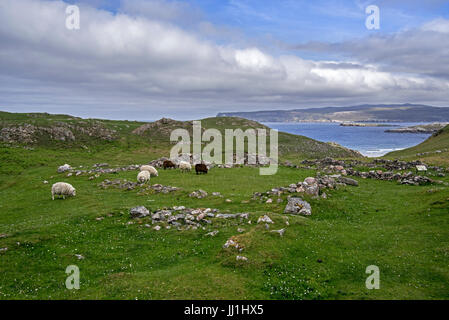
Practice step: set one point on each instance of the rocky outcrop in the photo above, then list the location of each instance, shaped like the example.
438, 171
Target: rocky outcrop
60, 131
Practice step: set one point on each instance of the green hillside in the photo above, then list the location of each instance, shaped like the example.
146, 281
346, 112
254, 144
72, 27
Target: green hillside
59, 132
320, 256
433, 150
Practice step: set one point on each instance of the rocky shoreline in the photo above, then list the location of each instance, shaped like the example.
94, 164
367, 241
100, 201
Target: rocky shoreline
422, 128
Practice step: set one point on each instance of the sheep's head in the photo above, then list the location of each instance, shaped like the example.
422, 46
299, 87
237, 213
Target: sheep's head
73, 192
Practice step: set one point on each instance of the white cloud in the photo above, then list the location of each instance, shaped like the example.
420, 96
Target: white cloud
126, 64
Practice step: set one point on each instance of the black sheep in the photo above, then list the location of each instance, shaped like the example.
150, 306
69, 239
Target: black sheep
168, 164
200, 168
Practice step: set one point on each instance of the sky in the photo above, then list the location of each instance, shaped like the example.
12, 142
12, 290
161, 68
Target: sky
147, 59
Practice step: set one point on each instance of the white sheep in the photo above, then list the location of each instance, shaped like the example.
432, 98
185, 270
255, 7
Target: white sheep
143, 176
185, 166
152, 170
63, 189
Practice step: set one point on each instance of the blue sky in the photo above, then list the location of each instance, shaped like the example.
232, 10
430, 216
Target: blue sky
147, 59
301, 21
278, 24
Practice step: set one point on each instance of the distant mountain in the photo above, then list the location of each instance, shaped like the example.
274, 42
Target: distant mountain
361, 113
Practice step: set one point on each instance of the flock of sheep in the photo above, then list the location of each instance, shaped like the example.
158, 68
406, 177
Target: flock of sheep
146, 172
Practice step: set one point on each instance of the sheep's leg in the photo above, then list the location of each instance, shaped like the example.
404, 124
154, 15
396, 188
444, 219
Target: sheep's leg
63, 197
52, 196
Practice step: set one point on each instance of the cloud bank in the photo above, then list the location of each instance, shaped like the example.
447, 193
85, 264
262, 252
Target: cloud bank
138, 63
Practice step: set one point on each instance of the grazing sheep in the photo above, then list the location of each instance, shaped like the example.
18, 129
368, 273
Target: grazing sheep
201, 168
152, 170
143, 176
63, 189
184, 166
168, 164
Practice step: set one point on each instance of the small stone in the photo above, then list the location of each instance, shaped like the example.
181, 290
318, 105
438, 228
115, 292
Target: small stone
45, 182
157, 228
240, 230
99, 218
231, 243
3, 249
212, 233
265, 219
241, 258
281, 231
348, 181
79, 256
64, 168
228, 200
269, 200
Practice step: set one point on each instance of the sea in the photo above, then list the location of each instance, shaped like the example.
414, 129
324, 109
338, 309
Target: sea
369, 141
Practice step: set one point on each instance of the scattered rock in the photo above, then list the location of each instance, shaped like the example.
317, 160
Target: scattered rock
348, 181
241, 258
298, 206
64, 168
264, 219
281, 232
232, 243
198, 194
79, 256
139, 212
212, 233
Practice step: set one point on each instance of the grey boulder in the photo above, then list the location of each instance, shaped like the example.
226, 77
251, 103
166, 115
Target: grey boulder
298, 206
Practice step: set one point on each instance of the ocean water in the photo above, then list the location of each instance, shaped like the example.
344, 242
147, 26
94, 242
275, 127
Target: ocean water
370, 141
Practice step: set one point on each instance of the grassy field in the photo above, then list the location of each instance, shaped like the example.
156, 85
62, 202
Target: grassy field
401, 229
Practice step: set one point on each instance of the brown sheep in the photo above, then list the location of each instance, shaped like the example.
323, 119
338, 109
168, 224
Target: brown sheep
200, 168
168, 164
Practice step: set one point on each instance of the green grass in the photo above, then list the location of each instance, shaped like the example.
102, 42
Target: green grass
438, 141
402, 229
